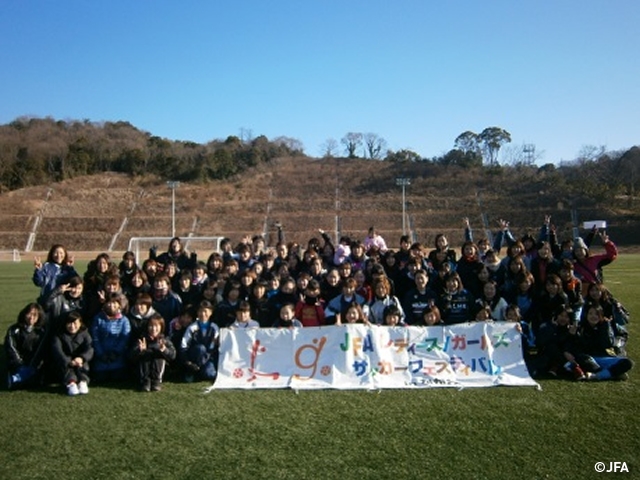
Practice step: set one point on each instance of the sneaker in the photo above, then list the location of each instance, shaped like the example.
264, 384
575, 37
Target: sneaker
72, 389
13, 380
189, 378
156, 387
623, 377
146, 386
83, 388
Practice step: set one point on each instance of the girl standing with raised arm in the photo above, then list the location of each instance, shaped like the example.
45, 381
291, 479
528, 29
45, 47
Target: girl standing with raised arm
588, 267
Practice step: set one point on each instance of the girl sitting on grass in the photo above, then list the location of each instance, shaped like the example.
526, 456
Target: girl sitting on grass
24, 346
139, 314
152, 353
110, 332
596, 353
72, 351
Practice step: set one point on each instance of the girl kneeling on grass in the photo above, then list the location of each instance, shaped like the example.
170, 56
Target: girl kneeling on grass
392, 316
72, 351
555, 341
354, 314
243, 317
287, 318
151, 354
56, 271
200, 345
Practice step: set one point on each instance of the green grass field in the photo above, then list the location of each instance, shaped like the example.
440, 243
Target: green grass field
113, 433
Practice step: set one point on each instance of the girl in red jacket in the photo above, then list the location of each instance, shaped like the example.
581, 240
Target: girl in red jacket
588, 267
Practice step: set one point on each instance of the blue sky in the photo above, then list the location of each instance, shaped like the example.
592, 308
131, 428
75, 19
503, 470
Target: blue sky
557, 74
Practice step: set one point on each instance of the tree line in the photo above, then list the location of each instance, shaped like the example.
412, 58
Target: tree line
470, 149
35, 151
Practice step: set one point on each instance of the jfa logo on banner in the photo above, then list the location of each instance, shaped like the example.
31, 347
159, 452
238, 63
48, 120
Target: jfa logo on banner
356, 356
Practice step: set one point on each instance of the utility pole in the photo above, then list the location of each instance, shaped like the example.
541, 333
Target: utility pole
403, 182
172, 184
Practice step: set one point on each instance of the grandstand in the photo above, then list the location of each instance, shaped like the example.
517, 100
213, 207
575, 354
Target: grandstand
102, 212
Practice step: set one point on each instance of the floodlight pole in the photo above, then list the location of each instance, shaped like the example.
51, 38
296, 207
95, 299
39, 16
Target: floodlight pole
403, 182
172, 184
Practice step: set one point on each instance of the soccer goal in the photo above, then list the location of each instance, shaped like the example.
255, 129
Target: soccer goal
203, 246
10, 255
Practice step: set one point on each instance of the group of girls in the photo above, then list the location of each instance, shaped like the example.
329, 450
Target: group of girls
124, 321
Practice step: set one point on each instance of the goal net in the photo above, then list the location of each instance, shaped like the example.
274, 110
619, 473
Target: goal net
203, 246
10, 255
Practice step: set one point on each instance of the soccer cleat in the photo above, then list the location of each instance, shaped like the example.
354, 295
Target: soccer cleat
72, 389
83, 388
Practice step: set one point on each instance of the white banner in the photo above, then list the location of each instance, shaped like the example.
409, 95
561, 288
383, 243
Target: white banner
356, 356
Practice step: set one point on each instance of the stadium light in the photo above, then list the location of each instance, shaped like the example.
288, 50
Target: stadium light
173, 185
403, 182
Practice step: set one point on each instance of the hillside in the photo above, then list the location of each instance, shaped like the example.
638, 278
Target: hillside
102, 212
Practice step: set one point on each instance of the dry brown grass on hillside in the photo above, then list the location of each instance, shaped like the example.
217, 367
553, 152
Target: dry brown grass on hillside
304, 194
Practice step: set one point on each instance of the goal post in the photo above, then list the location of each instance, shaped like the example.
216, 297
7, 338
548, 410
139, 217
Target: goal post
203, 246
10, 255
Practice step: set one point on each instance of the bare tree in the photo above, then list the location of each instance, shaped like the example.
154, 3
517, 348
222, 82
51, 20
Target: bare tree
352, 141
329, 148
292, 144
590, 153
374, 145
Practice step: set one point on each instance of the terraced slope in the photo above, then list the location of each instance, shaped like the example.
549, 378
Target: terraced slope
102, 212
